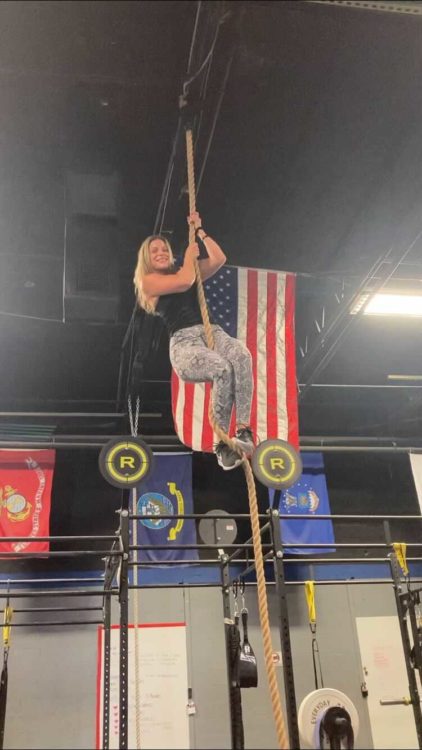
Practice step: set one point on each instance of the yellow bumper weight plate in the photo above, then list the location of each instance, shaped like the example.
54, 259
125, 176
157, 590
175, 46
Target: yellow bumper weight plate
276, 464
125, 461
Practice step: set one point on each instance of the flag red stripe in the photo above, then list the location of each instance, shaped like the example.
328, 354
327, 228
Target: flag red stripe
174, 397
232, 426
188, 413
251, 334
207, 431
291, 386
271, 349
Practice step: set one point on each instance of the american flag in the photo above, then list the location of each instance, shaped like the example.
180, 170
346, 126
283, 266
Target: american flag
257, 307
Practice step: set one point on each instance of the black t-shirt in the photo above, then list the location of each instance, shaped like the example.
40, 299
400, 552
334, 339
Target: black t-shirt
179, 310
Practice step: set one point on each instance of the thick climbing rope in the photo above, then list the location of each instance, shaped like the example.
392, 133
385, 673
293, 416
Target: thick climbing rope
253, 503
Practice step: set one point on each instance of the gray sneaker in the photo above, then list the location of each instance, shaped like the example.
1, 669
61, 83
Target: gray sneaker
244, 439
226, 457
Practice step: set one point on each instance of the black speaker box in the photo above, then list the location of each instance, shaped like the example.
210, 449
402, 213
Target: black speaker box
31, 285
91, 194
91, 277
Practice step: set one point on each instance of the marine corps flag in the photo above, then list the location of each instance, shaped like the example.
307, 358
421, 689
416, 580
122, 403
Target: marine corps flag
167, 491
26, 477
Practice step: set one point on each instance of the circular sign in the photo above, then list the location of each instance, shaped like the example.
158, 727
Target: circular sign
155, 504
124, 462
276, 464
313, 708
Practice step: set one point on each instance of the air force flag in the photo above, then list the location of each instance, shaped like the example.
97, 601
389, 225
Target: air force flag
167, 491
307, 497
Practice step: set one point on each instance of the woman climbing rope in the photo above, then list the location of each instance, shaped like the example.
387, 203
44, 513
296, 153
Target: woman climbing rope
163, 290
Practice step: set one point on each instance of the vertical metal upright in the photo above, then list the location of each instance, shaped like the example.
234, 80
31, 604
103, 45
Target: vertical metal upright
284, 628
225, 590
415, 632
124, 622
401, 605
112, 564
106, 668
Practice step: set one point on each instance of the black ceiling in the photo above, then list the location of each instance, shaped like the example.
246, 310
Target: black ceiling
314, 167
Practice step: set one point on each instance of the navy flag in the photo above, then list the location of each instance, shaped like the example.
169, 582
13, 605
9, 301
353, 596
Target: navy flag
167, 491
307, 497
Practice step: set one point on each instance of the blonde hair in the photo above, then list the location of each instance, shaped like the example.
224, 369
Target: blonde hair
144, 266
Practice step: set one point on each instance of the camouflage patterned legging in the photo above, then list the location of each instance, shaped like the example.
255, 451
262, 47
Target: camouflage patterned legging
228, 366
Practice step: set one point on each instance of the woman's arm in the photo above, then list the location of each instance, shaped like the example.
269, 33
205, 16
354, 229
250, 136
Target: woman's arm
216, 258
156, 284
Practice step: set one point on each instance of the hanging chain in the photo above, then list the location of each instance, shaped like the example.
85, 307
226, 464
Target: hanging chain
133, 423
316, 661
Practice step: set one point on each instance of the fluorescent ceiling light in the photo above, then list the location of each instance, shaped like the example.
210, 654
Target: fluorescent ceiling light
389, 304
404, 377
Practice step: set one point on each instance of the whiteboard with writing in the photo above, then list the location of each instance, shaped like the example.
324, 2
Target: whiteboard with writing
163, 687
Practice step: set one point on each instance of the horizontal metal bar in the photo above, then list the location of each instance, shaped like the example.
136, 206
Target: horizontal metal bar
349, 517
395, 702
351, 545
251, 567
262, 530
19, 581
55, 592
192, 516
70, 444
302, 385
69, 414
34, 444
287, 561
108, 538
61, 553
352, 581
340, 560
147, 563
285, 516
53, 623
54, 609
358, 386
361, 448
176, 585
73, 445
204, 546
329, 582
76, 438
354, 439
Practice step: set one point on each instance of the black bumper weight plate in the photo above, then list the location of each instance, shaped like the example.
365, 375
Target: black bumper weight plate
125, 462
217, 530
276, 464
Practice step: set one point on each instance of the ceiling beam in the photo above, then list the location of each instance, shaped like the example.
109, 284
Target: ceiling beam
409, 9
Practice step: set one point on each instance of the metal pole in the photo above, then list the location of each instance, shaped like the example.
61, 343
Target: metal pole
106, 673
124, 623
401, 611
225, 590
415, 633
283, 624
